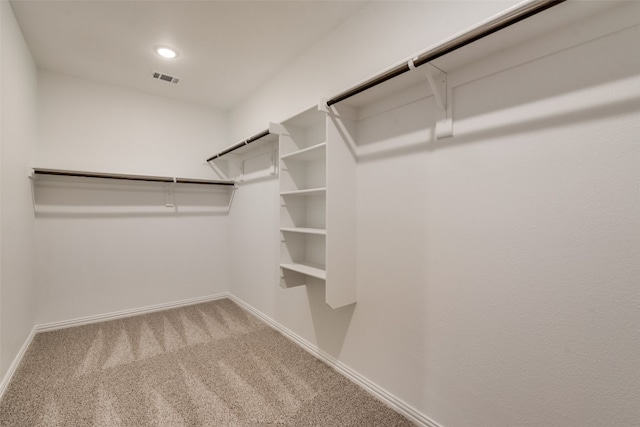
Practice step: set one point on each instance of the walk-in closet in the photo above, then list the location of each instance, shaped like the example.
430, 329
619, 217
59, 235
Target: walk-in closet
320, 213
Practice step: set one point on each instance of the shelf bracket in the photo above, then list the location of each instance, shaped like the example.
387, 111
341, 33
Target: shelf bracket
169, 200
241, 176
322, 105
217, 169
32, 177
277, 128
231, 194
437, 80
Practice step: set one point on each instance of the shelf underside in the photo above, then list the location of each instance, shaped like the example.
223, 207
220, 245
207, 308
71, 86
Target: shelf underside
308, 192
306, 269
305, 230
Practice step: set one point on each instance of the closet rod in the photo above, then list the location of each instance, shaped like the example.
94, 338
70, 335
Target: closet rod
58, 172
504, 20
240, 144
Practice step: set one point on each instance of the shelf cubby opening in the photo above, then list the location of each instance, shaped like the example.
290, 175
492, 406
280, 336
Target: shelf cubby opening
303, 212
304, 249
303, 175
303, 131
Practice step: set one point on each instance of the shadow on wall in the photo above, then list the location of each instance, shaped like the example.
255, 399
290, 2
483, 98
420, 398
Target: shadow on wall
598, 112
419, 141
570, 71
330, 325
66, 197
547, 81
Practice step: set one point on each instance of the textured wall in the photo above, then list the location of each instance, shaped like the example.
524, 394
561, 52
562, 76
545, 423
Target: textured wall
17, 278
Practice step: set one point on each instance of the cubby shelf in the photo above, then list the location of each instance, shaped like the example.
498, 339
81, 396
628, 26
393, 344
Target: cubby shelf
314, 161
315, 152
307, 269
307, 192
305, 230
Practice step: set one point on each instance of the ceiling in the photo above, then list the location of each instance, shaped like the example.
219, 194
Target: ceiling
227, 49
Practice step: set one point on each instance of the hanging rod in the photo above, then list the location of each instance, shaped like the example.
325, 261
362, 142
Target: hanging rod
58, 172
500, 22
240, 144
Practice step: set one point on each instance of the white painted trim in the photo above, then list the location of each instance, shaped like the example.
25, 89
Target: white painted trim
377, 391
16, 362
126, 313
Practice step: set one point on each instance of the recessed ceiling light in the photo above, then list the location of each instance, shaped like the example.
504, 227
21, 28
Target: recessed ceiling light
166, 52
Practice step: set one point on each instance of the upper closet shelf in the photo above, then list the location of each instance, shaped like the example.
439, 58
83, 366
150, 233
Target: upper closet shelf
440, 68
305, 230
457, 43
146, 178
242, 147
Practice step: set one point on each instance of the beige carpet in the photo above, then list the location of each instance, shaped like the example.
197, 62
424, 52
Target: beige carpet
211, 364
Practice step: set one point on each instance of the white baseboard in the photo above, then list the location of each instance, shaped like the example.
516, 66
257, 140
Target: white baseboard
4, 384
377, 391
127, 313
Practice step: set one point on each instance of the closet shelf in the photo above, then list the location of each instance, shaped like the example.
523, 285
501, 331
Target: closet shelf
308, 192
242, 146
315, 152
147, 178
303, 230
307, 269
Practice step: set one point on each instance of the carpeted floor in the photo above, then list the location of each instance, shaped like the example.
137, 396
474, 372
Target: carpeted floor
210, 364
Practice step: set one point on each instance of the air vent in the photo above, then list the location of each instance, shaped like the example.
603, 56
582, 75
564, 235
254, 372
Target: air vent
165, 77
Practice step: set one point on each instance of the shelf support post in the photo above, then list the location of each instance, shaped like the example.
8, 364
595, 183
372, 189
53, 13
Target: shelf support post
442, 93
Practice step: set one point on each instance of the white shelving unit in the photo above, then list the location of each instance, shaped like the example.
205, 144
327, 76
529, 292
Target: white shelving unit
309, 205
303, 199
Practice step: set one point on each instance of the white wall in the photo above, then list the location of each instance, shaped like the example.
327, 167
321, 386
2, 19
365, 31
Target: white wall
104, 247
517, 242
98, 127
498, 269
382, 34
17, 278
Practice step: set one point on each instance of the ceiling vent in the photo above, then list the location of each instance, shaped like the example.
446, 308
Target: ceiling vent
165, 77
